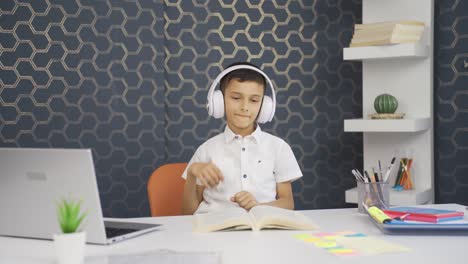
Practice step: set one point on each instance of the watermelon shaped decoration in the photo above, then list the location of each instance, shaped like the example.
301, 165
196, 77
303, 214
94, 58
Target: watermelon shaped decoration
385, 104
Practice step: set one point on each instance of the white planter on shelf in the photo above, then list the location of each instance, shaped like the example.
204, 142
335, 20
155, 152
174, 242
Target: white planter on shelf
70, 248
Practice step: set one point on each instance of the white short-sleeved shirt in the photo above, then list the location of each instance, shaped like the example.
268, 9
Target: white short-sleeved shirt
254, 163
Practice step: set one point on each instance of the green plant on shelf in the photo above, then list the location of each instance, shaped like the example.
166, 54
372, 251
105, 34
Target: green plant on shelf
385, 104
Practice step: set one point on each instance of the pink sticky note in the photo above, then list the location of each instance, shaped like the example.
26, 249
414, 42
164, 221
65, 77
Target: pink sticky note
343, 233
322, 234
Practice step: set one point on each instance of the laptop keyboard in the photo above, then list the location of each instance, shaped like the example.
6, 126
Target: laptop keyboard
114, 232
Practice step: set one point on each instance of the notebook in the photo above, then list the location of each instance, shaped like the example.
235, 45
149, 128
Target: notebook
430, 215
406, 227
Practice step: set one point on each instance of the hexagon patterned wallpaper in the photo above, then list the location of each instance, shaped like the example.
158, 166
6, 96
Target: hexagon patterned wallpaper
128, 79
88, 74
451, 102
299, 46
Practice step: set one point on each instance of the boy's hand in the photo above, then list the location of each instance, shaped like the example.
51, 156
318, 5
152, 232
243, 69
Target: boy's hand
245, 200
207, 173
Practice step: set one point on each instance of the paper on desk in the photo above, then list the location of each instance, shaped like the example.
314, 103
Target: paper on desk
160, 256
370, 245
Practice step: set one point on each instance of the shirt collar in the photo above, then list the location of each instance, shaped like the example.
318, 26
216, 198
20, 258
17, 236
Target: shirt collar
229, 135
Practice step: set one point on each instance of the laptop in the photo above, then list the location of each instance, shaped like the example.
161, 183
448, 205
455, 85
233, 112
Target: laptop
33, 181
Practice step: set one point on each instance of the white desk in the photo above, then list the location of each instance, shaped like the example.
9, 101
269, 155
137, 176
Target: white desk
270, 246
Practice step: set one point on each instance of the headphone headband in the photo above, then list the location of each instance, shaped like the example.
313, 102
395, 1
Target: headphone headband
237, 67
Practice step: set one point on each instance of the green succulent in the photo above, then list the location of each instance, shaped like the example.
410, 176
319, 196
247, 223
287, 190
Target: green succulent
70, 216
385, 104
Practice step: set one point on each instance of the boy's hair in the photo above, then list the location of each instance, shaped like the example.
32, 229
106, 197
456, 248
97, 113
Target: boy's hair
242, 75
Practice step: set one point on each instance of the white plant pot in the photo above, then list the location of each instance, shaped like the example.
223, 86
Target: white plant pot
70, 248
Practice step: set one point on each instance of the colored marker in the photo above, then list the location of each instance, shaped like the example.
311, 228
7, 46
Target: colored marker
377, 214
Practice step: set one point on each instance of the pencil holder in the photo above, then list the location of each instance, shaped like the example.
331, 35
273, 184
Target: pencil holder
372, 194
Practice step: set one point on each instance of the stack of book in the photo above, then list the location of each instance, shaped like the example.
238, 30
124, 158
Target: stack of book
385, 33
430, 215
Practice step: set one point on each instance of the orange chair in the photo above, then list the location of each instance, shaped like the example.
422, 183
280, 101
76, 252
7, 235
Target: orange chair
165, 190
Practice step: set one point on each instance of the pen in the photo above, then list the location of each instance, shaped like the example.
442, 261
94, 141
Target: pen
359, 174
401, 218
392, 163
367, 175
373, 175
380, 171
377, 214
356, 176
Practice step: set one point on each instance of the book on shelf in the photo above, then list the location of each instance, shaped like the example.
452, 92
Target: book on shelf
259, 217
423, 214
387, 33
389, 24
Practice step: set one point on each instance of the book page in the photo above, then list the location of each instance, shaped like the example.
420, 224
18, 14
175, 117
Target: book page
273, 217
235, 217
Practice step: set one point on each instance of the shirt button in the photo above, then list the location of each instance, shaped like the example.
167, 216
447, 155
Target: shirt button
243, 149
245, 176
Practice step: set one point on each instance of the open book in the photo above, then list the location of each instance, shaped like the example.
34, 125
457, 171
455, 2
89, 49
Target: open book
259, 217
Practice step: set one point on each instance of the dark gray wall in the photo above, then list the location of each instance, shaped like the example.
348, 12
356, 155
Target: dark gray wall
451, 101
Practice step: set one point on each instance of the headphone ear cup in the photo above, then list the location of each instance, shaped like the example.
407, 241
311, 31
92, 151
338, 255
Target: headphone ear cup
265, 110
218, 104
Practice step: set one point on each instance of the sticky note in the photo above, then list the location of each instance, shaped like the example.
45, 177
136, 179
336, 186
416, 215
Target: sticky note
330, 237
355, 235
340, 250
343, 233
325, 244
311, 239
322, 234
302, 236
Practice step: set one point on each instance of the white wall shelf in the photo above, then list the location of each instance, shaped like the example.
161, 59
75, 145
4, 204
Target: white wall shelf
406, 197
387, 125
406, 72
407, 50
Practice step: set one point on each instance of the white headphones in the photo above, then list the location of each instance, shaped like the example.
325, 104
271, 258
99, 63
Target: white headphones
215, 104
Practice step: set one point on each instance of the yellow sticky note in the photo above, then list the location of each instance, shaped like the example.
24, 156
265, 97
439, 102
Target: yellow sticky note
302, 236
340, 250
311, 239
330, 237
325, 244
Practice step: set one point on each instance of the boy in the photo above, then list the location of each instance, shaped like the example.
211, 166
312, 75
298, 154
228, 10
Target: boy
243, 166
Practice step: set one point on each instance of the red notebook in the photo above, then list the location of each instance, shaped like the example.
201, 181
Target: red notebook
423, 214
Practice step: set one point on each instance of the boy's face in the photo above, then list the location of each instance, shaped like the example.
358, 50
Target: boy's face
242, 102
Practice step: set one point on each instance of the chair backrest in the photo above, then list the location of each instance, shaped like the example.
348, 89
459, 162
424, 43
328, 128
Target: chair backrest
165, 190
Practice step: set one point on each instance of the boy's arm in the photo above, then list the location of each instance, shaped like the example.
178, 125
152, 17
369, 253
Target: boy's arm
284, 196
193, 194
208, 176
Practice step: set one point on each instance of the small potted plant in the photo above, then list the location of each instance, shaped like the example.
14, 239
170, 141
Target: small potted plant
70, 244
385, 105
